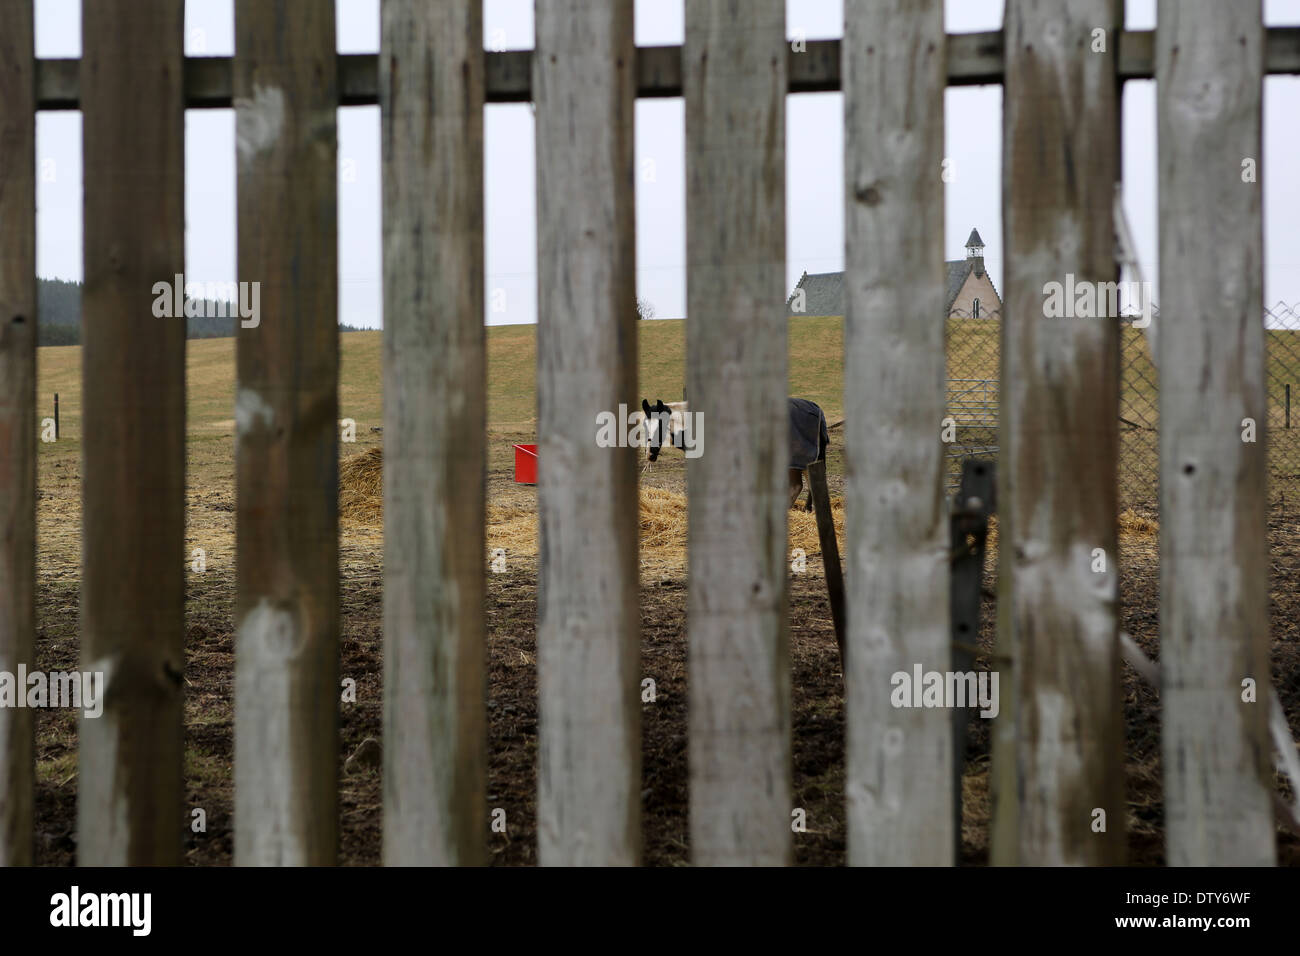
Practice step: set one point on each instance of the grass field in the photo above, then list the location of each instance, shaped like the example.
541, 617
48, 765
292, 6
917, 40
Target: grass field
816, 345
816, 349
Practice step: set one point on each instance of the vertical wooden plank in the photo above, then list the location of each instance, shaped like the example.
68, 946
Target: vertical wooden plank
435, 423
17, 417
588, 654
1213, 541
1057, 484
734, 77
899, 758
286, 413
129, 808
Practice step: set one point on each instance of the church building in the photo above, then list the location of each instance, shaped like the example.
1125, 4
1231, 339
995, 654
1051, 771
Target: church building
969, 292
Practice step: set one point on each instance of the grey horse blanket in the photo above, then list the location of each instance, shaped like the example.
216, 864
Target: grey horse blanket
808, 434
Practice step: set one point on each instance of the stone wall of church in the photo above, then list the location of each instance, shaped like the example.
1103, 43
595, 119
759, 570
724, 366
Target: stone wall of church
977, 287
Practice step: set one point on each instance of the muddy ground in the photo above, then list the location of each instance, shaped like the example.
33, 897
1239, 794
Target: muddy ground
818, 710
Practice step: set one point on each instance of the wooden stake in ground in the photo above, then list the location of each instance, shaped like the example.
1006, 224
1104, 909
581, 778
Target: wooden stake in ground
830, 549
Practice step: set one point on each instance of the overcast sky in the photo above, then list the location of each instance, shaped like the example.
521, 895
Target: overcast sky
815, 220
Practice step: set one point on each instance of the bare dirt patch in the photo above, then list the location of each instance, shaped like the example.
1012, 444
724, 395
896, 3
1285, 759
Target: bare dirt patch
817, 713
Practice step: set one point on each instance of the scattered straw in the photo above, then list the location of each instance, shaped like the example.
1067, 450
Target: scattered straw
1132, 524
513, 526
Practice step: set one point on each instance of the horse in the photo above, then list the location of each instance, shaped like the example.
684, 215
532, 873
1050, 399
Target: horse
809, 437
653, 419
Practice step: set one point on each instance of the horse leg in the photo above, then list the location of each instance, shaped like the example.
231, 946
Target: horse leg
796, 486
808, 506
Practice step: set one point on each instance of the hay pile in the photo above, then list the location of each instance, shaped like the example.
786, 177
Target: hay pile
361, 487
513, 525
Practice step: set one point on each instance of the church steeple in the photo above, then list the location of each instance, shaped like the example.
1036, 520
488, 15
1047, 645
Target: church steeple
975, 251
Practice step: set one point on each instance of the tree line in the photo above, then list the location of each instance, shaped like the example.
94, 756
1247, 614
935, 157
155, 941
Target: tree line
58, 314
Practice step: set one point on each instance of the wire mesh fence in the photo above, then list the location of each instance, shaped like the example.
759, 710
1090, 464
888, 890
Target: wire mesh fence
974, 373
1282, 324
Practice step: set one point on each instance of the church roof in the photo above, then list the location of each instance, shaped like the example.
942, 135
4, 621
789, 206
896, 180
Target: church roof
824, 291
823, 294
974, 239
958, 270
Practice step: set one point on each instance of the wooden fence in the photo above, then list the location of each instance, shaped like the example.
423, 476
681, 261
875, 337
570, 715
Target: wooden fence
1058, 744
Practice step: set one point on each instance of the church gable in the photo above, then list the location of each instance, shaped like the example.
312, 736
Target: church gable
975, 298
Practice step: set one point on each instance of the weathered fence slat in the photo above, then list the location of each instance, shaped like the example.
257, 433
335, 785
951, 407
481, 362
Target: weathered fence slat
899, 758
1057, 539
588, 625
286, 413
129, 808
734, 71
435, 422
17, 418
1213, 542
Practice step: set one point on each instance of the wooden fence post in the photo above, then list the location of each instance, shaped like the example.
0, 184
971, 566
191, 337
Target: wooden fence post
129, 803
899, 759
830, 546
588, 623
1057, 540
435, 725
974, 504
1214, 567
17, 418
734, 67
286, 413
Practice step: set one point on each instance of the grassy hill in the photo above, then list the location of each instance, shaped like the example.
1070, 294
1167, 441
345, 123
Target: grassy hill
816, 355
816, 350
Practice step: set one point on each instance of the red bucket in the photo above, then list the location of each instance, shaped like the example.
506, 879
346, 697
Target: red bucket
526, 464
